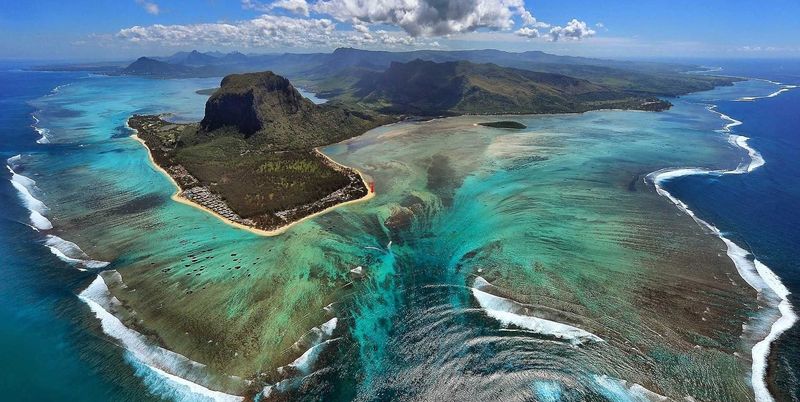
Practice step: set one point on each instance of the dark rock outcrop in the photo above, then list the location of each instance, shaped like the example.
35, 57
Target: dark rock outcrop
272, 115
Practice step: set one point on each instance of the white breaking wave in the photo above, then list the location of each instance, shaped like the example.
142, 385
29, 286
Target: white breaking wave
69, 252
510, 312
761, 349
754, 272
615, 389
180, 372
24, 185
44, 139
783, 89
317, 339
755, 160
306, 361
317, 335
14, 160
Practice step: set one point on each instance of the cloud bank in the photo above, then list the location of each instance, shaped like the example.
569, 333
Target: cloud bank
303, 24
429, 17
264, 31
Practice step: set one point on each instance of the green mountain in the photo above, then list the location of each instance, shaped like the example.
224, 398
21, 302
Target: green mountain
428, 88
252, 156
150, 67
271, 114
334, 73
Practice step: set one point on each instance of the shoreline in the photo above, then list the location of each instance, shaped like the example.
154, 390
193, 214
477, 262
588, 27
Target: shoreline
755, 273
176, 196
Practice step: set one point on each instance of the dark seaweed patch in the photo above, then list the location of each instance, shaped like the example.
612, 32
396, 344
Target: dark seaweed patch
138, 204
121, 131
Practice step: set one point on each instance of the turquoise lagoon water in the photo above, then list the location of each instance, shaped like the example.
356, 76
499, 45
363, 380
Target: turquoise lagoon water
559, 216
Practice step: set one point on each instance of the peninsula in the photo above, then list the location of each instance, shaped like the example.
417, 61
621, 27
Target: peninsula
252, 160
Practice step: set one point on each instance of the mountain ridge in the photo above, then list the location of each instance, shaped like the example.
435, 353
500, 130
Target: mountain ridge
330, 72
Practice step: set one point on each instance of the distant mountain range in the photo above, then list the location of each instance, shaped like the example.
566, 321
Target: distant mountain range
333, 74
428, 82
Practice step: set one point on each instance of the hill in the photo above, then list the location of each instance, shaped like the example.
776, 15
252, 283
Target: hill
428, 88
270, 114
151, 67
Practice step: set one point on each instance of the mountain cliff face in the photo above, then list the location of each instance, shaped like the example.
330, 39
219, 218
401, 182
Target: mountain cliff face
271, 114
249, 101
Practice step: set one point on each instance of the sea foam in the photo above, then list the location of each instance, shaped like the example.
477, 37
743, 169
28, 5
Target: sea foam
70, 253
24, 185
754, 272
316, 341
510, 312
175, 369
615, 389
43, 133
784, 88
66, 251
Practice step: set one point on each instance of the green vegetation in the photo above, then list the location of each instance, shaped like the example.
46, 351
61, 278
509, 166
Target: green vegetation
428, 88
334, 75
252, 159
254, 151
270, 114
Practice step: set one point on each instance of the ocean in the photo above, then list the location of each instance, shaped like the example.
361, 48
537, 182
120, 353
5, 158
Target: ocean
559, 215
759, 209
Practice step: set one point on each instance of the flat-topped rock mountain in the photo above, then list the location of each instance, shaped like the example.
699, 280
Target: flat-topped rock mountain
251, 101
270, 113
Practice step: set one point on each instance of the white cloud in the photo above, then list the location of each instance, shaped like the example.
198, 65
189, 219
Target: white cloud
528, 32
401, 23
360, 27
575, 30
430, 17
264, 31
299, 7
149, 7
268, 31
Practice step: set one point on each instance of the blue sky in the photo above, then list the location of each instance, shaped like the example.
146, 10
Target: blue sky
113, 30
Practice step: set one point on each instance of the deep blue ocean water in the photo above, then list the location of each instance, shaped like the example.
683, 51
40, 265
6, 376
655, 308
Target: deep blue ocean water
761, 208
47, 353
45, 349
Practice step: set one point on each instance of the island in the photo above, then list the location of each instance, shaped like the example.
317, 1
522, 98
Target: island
504, 124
